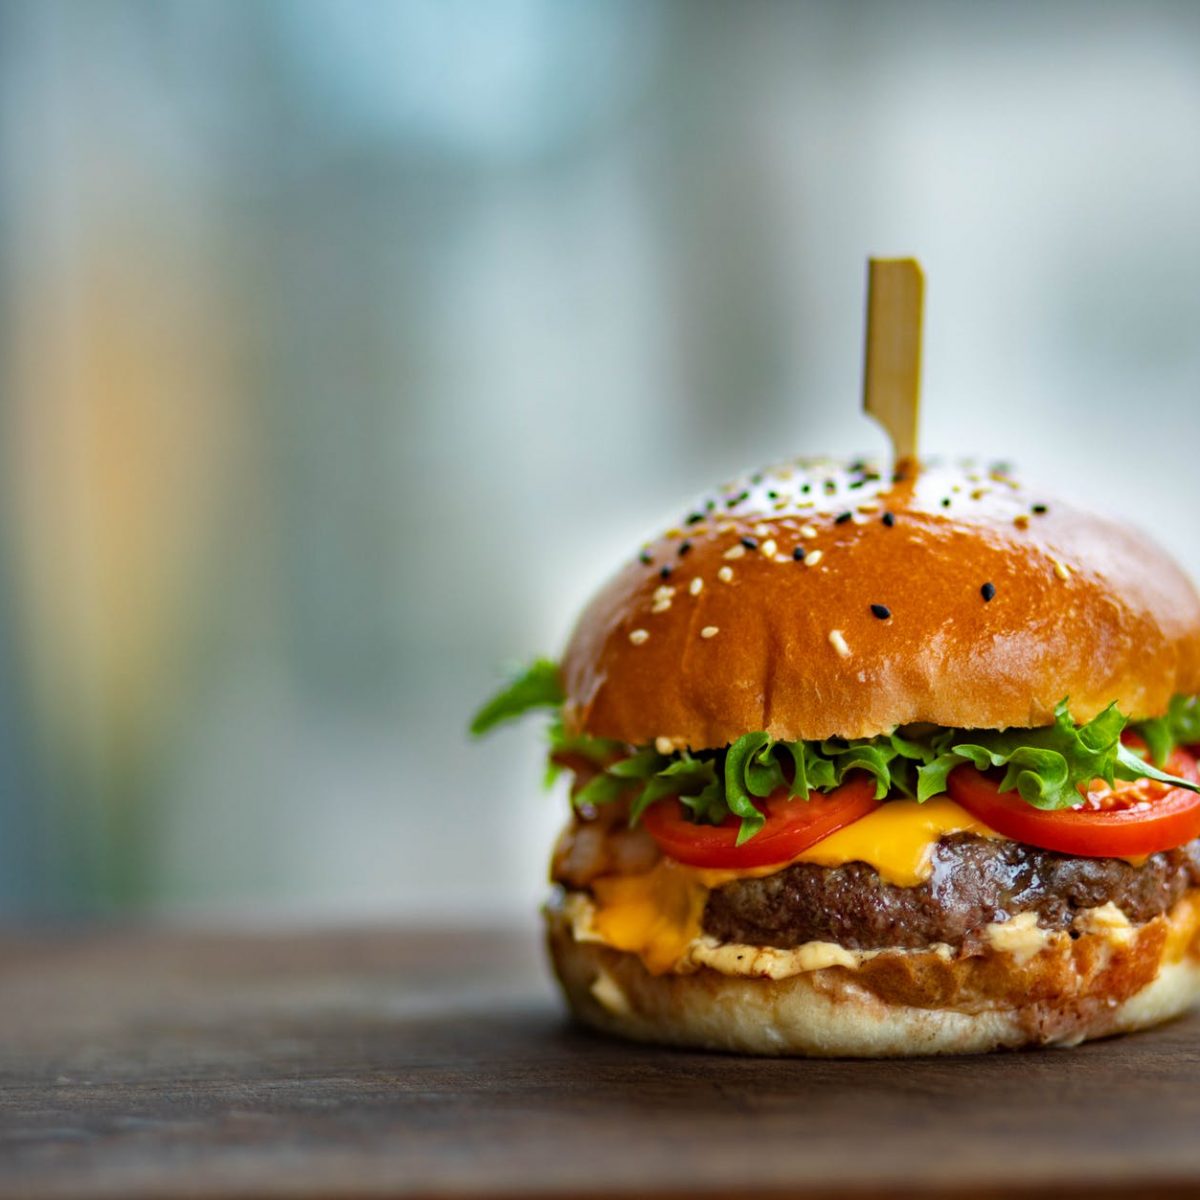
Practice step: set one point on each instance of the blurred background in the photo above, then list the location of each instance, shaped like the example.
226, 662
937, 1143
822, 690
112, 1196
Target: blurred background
346, 347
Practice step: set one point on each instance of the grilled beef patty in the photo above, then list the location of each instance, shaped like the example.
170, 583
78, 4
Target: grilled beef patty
975, 881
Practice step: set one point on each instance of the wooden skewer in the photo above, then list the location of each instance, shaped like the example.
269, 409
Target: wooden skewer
892, 368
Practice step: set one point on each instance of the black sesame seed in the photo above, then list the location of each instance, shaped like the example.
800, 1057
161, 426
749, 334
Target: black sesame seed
684, 547
806, 488
772, 494
1039, 509
709, 505
749, 543
857, 466
646, 557
756, 479
987, 591
872, 476
842, 518
881, 611
665, 572
945, 501
694, 518
857, 484
830, 486
889, 519
798, 554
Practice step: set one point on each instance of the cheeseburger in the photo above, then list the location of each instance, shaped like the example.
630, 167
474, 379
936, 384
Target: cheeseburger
874, 763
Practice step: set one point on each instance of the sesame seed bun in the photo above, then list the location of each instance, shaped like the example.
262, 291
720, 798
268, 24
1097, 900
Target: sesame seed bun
1058, 990
834, 602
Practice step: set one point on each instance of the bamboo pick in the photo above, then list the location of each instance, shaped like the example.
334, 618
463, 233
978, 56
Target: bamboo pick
892, 367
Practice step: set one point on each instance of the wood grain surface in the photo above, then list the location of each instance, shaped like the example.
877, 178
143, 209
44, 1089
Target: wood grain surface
363, 1064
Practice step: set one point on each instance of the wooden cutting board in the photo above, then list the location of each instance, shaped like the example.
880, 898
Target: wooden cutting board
362, 1064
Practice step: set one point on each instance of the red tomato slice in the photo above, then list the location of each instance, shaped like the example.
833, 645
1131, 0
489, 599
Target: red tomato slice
791, 827
1126, 820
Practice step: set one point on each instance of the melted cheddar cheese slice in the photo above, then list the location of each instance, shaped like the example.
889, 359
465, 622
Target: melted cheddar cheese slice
657, 915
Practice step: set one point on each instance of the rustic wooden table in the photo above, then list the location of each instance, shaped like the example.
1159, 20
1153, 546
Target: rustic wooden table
362, 1064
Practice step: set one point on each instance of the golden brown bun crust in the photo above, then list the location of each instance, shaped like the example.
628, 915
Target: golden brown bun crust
1083, 607
899, 1003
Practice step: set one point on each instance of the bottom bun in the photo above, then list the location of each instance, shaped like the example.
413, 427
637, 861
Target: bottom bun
1060, 991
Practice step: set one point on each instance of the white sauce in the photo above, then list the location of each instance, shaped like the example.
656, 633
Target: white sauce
1021, 937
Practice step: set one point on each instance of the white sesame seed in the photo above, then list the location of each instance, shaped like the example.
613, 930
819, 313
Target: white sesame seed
783, 558
735, 551
726, 527
725, 574
660, 606
761, 530
709, 631
1061, 569
664, 745
768, 547
695, 586
811, 559
638, 636
838, 642
780, 505
807, 531
665, 592
869, 507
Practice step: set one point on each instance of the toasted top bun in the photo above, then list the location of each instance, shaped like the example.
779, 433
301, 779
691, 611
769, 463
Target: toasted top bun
720, 627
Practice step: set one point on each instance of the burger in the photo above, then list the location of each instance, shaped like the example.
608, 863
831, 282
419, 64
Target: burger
876, 763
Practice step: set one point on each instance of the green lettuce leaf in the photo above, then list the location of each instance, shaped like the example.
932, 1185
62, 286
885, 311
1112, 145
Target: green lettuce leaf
751, 770
716, 784
600, 789
1180, 727
696, 783
1045, 766
538, 686
580, 745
